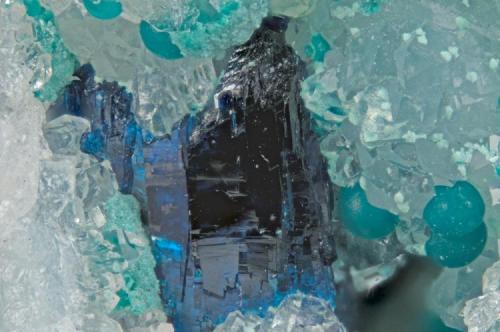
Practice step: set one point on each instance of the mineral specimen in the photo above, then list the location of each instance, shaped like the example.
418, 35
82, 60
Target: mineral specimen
249, 165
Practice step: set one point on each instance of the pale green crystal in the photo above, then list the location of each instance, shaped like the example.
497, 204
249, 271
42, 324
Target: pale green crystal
292, 8
62, 62
92, 258
297, 312
164, 90
140, 292
220, 25
387, 80
201, 28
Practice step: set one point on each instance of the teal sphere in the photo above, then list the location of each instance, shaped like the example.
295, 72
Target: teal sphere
362, 218
103, 9
455, 211
459, 251
159, 42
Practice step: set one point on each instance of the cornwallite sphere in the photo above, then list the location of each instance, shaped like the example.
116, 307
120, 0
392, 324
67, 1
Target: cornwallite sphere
362, 218
455, 211
459, 251
103, 9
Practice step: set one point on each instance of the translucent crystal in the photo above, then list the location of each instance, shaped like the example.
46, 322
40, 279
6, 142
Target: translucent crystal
293, 8
63, 134
176, 10
491, 279
454, 287
167, 92
411, 130
21, 117
79, 260
367, 263
26, 249
15, 40
199, 28
220, 25
296, 313
482, 314
164, 91
49, 43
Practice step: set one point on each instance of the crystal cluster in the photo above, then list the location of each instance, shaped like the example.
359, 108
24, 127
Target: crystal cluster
87, 239
411, 110
408, 112
296, 313
54, 61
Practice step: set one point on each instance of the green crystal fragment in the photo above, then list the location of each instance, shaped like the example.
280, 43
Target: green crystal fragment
159, 42
458, 251
455, 211
103, 9
124, 300
318, 48
322, 100
207, 12
33, 8
292, 8
123, 213
217, 26
362, 218
432, 323
371, 6
141, 289
63, 62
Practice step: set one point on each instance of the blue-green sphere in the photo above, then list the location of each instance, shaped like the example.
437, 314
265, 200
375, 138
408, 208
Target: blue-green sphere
455, 211
362, 218
459, 251
103, 9
159, 42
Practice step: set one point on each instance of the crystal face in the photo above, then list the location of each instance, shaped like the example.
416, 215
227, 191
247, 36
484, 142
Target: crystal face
249, 165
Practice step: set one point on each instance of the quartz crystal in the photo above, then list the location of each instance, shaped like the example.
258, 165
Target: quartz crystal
296, 313
482, 314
